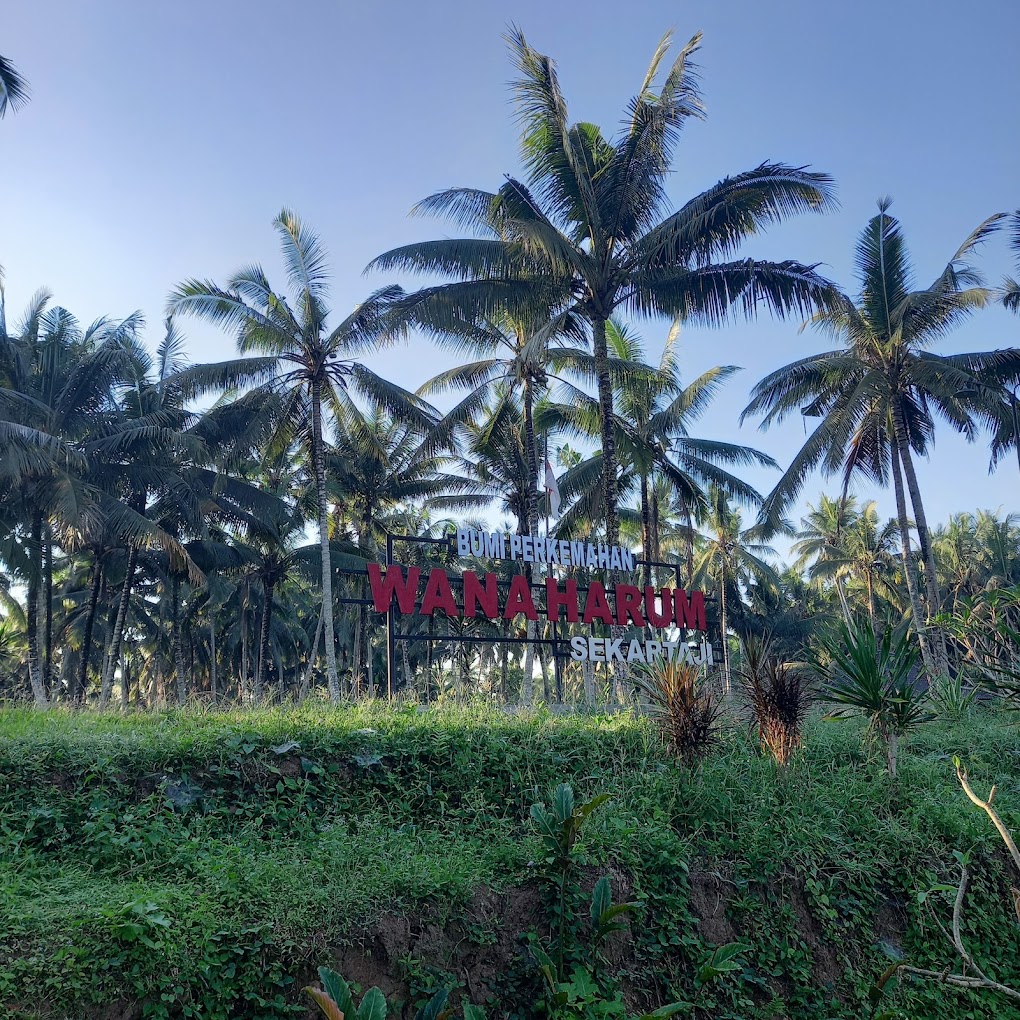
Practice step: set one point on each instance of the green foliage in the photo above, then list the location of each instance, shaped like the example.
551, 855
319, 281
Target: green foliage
288, 858
873, 675
335, 1002
952, 697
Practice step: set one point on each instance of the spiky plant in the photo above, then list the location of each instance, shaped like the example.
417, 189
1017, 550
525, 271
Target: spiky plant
686, 711
778, 694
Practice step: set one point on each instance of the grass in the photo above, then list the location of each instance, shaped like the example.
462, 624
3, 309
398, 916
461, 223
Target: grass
201, 865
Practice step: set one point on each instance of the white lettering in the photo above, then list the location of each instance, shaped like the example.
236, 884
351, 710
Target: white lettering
627, 559
636, 652
528, 548
579, 648
515, 547
591, 559
463, 542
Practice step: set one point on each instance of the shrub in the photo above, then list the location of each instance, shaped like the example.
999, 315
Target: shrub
873, 675
686, 711
779, 697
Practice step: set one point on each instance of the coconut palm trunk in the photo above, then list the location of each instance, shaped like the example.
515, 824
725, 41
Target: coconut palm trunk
936, 634
646, 530
263, 653
35, 674
78, 694
903, 523
319, 467
177, 642
723, 625
117, 634
605, 386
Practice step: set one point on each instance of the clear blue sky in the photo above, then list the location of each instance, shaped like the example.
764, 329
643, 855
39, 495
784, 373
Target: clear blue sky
162, 138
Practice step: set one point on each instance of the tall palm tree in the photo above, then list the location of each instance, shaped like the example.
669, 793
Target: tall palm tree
878, 395
510, 350
13, 87
300, 370
652, 421
733, 557
592, 220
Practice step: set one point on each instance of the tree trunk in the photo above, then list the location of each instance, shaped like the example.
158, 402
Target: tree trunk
177, 639
908, 561
531, 454
242, 687
263, 652
78, 695
313, 652
931, 581
117, 636
125, 683
47, 620
609, 479
212, 652
892, 742
725, 636
843, 604
35, 673
871, 602
646, 530
319, 466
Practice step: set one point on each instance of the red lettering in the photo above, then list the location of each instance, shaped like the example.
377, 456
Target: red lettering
655, 617
556, 599
438, 594
519, 600
485, 598
596, 606
394, 583
690, 609
628, 605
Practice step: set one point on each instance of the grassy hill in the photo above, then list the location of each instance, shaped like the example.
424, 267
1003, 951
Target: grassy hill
203, 865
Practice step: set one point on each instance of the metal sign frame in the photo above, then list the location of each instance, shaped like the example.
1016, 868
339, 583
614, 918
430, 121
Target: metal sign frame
448, 542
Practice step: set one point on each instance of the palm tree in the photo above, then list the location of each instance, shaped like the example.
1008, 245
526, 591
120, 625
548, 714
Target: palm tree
877, 395
57, 386
733, 558
509, 351
591, 221
303, 371
821, 544
1010, 288
13, 87
389, 464
652, 423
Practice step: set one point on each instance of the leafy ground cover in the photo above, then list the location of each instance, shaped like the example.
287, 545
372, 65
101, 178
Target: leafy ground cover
203, 865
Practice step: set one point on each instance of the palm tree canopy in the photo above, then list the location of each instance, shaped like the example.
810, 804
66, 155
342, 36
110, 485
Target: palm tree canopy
883, 369
13, 87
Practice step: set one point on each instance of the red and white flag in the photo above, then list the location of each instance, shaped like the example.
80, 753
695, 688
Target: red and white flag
552, 490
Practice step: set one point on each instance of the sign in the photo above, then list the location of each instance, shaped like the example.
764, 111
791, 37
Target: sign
481, 596
498, 545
